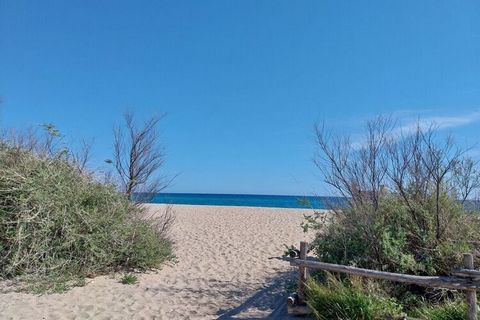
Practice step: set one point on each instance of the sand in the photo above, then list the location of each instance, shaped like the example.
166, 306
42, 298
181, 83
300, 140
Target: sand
224, 271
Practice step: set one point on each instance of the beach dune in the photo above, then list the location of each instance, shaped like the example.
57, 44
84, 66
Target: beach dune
224, 270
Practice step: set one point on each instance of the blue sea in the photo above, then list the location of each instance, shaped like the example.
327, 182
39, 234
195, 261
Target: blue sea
246, 200
256, 200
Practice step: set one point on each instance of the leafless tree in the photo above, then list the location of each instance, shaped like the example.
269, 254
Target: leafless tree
138, 156
356, 170
439, 159
423, 164
45, 143
407, 172
26, 140
466, 178
81, 157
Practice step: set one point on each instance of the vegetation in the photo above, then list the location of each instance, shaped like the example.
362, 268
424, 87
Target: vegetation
137, 156
362, 299
129, 278
448, 310
405, 212
59, 224
352, 299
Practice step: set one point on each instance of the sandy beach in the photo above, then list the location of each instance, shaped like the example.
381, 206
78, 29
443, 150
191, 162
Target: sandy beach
224, 270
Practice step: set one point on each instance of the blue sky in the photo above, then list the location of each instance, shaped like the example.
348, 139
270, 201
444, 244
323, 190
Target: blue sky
242, 82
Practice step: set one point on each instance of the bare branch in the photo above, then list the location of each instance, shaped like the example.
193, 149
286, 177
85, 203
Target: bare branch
138, 155
80, 158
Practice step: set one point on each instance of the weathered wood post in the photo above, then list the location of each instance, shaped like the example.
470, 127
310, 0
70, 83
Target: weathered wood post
471, 294
302, 279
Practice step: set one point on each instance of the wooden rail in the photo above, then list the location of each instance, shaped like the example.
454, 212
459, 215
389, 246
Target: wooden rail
466, 279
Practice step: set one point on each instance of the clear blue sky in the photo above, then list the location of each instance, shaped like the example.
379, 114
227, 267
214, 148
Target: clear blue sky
243, 81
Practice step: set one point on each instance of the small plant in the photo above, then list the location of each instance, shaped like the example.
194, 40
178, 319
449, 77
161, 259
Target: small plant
129, 278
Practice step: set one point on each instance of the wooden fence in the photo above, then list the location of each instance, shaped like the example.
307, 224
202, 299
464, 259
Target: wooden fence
466, 279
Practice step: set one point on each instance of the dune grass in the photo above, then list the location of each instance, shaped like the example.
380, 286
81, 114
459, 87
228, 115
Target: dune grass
352, 299
129, 278
448, 310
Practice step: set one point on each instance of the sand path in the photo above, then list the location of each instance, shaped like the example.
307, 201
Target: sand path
223, 272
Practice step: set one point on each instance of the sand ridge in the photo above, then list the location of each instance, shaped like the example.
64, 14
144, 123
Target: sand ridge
224, 270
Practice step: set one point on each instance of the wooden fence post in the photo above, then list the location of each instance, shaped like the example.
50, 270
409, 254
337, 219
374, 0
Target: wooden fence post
302, 273
471, 294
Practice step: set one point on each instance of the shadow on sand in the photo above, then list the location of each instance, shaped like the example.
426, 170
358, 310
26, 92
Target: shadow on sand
270, 301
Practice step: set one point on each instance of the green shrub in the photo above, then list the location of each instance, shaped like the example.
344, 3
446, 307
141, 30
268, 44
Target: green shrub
405, 204
348, 300
448, 310
387, 239
57, 224
405, 210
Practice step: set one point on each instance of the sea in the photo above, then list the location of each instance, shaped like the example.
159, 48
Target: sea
247, 200
259, 200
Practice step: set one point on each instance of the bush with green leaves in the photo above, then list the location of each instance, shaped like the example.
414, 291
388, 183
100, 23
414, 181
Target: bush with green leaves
405, 196
389, 240
405, 209
58, 224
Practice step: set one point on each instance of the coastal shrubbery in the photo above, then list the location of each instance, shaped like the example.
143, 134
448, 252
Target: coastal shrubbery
350, 299
406, 212
353, 298
59, 224
447, 310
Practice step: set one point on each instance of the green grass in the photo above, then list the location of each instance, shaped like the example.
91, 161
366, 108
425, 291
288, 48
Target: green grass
448, 310
352, 299
129, 278
58, 226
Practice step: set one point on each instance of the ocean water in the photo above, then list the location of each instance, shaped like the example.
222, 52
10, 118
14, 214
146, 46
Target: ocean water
246, 200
